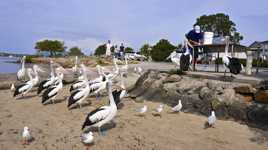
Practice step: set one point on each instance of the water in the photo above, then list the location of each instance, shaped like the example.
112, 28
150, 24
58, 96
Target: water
7, 67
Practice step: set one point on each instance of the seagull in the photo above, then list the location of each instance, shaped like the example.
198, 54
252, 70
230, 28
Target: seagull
24, 88
12, 87
21, 72
26, 136
142, 111
177, 108
158, 110
211, 119
87, 139
52, 91
102, 115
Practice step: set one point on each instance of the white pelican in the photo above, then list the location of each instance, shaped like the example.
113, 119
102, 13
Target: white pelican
87, 139
24, 88
104, 114
48, 82
36, 69
75, 68
26, 136
81, 94
175, 58
21, 72
230, 62
51, 93
177, 108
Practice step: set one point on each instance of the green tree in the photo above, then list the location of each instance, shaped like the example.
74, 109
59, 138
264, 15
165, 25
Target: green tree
219, 24
51, 46
129, 50
75, 51
100, 50
162, 50
145, 50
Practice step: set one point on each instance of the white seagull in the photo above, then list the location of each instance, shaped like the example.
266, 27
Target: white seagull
211, 119
12, 87
142, 110
177, 108
26, 136
158, 110
51, 93
21, 72
87, 139
24, 88
102, 115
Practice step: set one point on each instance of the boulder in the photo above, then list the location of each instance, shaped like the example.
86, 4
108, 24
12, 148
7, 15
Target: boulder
262, 96
172, 78
245, 89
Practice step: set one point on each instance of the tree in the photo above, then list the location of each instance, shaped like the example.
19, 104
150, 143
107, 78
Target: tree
100, 50
145, 50
129, 50
162, 50
75, 51
219, 24
51, 46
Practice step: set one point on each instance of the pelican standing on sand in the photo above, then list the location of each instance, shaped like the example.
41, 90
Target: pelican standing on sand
82, 93
36, 69
75, 68
21, 72
24, 88
104, 114
48, 82
51, 93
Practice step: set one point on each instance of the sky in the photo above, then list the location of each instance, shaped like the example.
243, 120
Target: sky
89, 23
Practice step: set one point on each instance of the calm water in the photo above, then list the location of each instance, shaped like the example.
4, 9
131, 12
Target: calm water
6, 67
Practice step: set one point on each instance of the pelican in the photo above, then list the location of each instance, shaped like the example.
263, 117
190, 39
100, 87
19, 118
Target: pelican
21, 71
26, 136
24, 88
75, 68
102, 115
81, 94
48, 82
175, 58
51, 93
36, 69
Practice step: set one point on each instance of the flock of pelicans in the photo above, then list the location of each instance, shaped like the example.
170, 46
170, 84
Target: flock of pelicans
48, 89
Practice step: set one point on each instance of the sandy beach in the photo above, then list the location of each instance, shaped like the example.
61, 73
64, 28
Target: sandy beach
54, 127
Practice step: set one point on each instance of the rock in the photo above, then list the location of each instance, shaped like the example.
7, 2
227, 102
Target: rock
262, 96
248, 98
245, 89
227, 96
172, 78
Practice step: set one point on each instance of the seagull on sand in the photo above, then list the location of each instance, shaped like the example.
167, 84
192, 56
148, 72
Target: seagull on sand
87, 139
12, 88
142, 111
177, 108
158, 110
211, 120
26, 136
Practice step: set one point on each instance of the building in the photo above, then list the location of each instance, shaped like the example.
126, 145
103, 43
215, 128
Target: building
260, 49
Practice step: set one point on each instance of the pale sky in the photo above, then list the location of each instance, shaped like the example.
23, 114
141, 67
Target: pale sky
88, 23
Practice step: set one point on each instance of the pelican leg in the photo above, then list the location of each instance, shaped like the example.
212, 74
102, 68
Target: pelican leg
101, 133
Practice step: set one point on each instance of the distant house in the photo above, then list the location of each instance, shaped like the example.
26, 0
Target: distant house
260, 48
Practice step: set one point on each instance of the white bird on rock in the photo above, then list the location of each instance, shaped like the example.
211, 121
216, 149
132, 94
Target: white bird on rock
87, 139
177, 108
26, 136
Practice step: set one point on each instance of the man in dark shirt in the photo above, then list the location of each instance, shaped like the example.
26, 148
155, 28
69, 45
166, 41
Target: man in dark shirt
195, 37
122, 50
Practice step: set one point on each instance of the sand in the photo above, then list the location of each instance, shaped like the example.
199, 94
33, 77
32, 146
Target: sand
54, 127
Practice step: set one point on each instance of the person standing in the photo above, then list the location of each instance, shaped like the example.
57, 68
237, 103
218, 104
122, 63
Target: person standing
108, 49
122, 51
195, 38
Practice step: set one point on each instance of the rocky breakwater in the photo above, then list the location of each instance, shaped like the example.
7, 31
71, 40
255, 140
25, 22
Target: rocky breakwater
230, 100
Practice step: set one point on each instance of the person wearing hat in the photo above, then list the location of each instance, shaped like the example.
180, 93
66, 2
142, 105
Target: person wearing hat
194, 37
